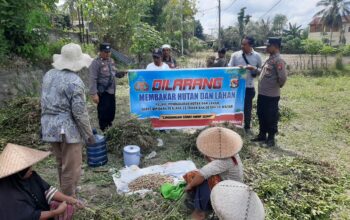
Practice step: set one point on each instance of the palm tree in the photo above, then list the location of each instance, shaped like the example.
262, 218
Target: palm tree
333, 13
293, 30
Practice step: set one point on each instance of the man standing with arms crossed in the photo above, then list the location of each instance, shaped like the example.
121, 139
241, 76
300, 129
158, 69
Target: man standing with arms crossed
251, 60
272, 78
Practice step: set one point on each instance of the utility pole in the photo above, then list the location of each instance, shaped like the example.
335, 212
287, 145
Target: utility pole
219, 34
182, 29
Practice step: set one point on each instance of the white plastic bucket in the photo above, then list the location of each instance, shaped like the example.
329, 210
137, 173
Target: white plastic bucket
131, 155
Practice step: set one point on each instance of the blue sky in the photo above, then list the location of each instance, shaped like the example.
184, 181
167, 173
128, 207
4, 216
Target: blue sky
297, 11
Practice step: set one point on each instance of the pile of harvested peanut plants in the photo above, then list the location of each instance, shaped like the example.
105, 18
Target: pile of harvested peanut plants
150, 181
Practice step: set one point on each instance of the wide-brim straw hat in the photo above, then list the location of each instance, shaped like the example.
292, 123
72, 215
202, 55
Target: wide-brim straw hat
219, 143
232, 200
15, 158
71, 58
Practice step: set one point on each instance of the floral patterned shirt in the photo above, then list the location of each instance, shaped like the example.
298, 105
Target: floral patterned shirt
63, 108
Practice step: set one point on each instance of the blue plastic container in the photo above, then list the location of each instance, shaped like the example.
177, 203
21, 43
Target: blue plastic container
97, 153
131, 155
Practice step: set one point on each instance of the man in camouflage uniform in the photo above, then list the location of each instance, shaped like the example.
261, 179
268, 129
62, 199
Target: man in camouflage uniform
272, 78
102, 85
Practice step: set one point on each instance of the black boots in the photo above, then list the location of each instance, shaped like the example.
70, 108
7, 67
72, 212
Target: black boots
260, 138
271, 140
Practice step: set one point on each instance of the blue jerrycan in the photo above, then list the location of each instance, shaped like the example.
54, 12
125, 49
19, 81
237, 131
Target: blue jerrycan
97, 153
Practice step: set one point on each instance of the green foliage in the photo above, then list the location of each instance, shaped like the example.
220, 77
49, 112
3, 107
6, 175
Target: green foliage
61, 21
154, 15
3, 45
178, 22
297, 188
243, 20
294, 30
131, 132
339, 65
20, 122
195, 44
230, 38
116, 20
293, 45
89, 49
145, 39
327, 50
198, 32
312, 46
278, 24
260, 30
42, 54
24, 24
345, 51
286, 114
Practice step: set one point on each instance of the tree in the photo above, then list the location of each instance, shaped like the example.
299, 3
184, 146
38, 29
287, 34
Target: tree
260, 30
144, 40
154, 15
115, 21
312, 47
70, 7
293, 45
332, 14
24, 24
326, 51
178, 22
231, 38
198, 32
243, 20
294, 30
279, 22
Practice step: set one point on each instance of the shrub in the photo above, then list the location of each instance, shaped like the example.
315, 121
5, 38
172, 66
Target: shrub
89, 49
43, 53
345, 51
20, 122
132, 132
3, 45
339, 65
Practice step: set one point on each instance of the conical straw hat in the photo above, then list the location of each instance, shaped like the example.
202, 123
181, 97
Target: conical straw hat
15, 158
218, 142
232, 200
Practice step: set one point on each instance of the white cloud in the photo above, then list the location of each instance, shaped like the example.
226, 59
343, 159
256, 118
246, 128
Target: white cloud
297, 11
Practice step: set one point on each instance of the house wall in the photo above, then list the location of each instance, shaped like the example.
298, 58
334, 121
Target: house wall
335, 37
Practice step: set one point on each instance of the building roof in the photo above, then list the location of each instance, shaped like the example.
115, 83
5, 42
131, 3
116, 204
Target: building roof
318, 20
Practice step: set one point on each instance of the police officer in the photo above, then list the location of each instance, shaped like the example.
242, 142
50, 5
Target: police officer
102, 85
272, 78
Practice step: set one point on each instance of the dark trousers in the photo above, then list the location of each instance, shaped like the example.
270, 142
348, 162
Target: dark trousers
106, 110
268, 115
248, 105
201, 197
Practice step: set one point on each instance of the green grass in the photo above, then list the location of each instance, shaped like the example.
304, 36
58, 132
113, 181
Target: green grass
306, 177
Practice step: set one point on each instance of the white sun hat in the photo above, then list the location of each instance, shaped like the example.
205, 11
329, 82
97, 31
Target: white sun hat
15, 158
166, 46
71, 58
232, 200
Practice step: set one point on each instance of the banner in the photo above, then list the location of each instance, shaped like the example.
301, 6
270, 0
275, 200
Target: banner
188, 98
